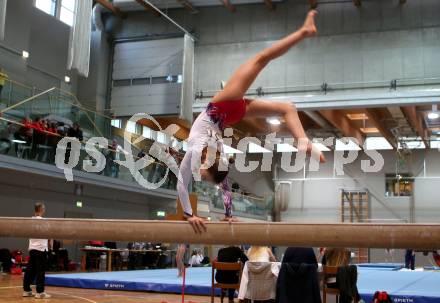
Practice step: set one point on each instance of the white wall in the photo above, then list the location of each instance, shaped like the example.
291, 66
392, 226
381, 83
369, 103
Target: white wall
379, 41
317, 197
44, 37
144, 59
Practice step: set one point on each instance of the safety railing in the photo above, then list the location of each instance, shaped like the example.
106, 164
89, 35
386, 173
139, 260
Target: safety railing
59, 106
60, 110
26, 142
243, 205
13, 92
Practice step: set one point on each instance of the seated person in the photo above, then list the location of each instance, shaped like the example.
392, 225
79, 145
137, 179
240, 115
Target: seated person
300, 255
335, 257
196, 258
260, 254
5, 260
339, 257
230, 254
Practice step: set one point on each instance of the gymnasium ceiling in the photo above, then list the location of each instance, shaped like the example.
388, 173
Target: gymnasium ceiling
398, 125
191, 5
120, 7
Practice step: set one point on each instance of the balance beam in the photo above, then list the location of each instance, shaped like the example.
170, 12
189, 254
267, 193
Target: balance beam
415, 236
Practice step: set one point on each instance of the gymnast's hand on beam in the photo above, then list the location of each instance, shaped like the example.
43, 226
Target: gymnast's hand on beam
197, 223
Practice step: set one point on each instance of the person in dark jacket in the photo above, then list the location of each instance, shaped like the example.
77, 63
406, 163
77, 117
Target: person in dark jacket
298, 283
347, 284
230, 254
410, 259
75, 131
300, 255
5, 260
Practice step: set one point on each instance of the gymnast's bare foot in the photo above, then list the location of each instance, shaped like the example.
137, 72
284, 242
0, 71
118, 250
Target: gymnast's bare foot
230, 219
309, 28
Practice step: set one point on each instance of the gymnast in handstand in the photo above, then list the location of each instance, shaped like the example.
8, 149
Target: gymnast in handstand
229, 107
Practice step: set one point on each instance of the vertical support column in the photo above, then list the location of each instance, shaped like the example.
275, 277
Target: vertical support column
187, 95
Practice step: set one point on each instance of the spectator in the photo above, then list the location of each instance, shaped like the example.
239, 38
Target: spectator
52, 141
36, 268
410, 259
298, 277
260, 254
235, 187
115, 155
3, 78
300, 255
36, 127
196, 258
5, 260
74, 132
141, 154
340, 257
336, 257
23, 137
6, 137
230, 254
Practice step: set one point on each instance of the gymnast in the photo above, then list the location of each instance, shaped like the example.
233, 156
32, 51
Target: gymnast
205, 156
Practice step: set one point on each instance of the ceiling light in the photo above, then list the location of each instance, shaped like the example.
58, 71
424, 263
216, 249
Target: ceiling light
360, 116
369, 130
433, 115
273, 121
25, 54
67, 79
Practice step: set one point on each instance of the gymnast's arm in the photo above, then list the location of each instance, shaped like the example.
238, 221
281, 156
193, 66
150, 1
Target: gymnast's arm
185, 172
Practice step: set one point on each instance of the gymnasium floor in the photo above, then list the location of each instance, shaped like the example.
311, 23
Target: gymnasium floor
10, 291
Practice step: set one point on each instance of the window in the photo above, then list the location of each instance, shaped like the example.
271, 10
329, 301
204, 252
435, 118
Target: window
161, 138
398, 185
123, 82
47, 6
146, 132
141, 81
148, 81
159, 80
116, 123
131, 127
67, 11
138, 129
64, 10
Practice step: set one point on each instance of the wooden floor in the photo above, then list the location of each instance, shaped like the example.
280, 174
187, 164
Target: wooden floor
11, 291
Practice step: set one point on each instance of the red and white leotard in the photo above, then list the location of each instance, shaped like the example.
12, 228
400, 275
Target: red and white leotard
207, 132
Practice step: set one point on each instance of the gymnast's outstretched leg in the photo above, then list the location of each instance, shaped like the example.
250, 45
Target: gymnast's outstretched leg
246, 74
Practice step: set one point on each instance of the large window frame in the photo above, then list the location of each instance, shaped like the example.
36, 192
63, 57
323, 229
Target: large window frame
58, 9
